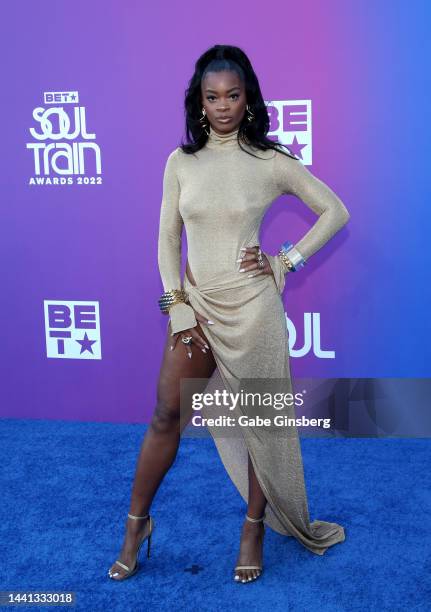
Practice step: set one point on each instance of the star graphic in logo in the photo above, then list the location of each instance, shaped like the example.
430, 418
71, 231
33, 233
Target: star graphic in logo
296, 147
86, 344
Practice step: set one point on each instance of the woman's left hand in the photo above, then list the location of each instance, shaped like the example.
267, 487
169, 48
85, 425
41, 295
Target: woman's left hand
249, 257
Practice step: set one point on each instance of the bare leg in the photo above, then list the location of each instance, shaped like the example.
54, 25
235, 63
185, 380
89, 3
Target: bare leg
250, 552
161, 441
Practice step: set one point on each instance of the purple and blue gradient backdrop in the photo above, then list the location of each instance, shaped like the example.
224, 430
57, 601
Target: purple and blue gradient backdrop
365, 69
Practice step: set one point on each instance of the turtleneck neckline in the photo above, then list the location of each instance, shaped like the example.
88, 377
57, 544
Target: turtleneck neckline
228, 139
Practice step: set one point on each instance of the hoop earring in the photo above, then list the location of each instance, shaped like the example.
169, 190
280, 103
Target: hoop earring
250, 116
202, 121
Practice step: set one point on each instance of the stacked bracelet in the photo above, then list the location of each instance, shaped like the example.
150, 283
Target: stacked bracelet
170, 298
286, 261
291, 257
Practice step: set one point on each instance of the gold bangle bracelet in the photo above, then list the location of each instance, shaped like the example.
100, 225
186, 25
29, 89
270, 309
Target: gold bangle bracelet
286, 261
170, 298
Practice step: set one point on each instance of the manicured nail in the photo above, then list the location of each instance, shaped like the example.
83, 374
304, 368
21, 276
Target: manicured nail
250, 275
239, 260
243, 248
211, 322
190, 355
171, 347
206, 346
243, 270
203, 350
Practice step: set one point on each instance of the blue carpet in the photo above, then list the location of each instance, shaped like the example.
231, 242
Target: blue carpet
65, 495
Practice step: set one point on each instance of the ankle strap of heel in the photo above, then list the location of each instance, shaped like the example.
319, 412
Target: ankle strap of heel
132, 516
253, 520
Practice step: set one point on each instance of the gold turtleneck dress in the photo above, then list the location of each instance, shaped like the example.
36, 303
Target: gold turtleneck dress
221, 194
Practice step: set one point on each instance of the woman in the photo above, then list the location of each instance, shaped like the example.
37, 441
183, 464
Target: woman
226, 321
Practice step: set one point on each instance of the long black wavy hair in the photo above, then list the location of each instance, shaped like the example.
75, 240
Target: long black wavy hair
216, 59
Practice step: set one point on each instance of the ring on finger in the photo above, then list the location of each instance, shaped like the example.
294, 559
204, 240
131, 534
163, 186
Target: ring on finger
186, 339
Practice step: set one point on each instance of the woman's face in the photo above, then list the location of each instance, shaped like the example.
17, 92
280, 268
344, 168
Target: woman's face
223, 96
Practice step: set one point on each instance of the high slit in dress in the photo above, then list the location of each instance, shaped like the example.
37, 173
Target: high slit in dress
221, 194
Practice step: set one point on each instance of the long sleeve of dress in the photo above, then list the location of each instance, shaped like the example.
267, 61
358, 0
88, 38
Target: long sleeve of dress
182, 315
292, 177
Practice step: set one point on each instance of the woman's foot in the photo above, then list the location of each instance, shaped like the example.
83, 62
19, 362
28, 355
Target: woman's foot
135, 531
250, 551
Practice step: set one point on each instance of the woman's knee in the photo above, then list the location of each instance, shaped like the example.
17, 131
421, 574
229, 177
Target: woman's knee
166, 415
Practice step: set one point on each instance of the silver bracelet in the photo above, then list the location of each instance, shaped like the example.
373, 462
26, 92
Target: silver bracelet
291, 257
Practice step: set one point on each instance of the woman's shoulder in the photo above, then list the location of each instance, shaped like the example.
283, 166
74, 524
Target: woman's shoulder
282, 152
183, 159
178, 162
178, 156
173, 160
286, 161
173, 155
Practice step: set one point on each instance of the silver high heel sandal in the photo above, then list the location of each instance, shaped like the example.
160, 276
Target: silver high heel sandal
256, 567
132, 571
